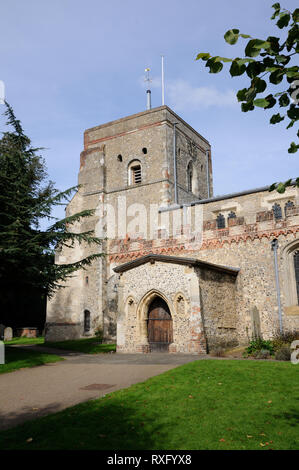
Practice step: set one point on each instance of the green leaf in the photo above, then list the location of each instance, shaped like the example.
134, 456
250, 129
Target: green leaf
276, 118
291, 74
272, 101
245, 36
255, 68
274, 45
272, 187
214, 65
232, 36
254, 47
276, 77
290, 124
281, 188
241, 95
259, 84
295, 15
293, 148
284, 19
283, 59
268, 62
261, 103
247, 106
236, 69
276, 6
203, 56
284, 100
293, 112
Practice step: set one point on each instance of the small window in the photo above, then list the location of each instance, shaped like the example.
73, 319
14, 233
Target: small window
119, 158
86, 321
86, 280
189, 176
144, 150
289, 205
135, 176
232, 215
296, 267
277, 211
220, 221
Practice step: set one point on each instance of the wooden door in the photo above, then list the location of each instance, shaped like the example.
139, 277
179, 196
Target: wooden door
159, 326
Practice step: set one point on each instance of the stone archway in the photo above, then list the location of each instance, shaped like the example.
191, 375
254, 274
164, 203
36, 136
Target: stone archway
143, 316
159, 326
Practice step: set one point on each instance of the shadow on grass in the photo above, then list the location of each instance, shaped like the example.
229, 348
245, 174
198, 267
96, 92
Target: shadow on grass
96, 424
291, 417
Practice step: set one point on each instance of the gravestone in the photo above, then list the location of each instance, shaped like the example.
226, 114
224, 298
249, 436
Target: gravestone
8, 334
256, 323
2, 353
2, 328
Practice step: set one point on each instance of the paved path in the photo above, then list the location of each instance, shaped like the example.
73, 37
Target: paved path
31, 392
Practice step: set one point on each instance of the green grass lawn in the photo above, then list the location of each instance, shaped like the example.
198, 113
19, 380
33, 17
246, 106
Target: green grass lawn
16, 358
85, 345
214, 404
24, 340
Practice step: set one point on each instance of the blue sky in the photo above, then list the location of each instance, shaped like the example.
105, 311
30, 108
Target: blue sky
71, 64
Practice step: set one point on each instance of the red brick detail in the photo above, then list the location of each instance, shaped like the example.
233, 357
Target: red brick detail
264, 216
233, 221
85, 154
88, 142
209, 225
120, 250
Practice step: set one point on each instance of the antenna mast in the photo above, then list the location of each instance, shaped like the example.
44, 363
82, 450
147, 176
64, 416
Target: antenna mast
162, 66
148, 91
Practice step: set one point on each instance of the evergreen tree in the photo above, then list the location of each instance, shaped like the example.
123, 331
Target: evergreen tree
27, 270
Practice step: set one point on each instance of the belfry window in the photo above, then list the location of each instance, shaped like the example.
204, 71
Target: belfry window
220, 221
277, 211
86, 321
189, 176
135, 175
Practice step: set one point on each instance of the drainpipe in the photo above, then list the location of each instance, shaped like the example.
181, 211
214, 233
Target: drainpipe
208, 171
174, 165
274, 245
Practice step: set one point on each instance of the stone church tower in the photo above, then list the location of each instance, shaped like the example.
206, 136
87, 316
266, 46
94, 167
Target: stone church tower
126, 164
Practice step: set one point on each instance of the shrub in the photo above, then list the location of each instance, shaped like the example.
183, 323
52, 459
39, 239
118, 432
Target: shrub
282, 339
256, 345
263, 354
284, 353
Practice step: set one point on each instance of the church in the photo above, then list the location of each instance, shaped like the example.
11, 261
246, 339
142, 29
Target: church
183, 271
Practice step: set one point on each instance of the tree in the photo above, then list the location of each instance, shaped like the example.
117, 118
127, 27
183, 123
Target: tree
267, 59
27, 268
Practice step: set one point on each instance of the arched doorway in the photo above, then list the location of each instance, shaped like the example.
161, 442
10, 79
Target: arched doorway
159, 326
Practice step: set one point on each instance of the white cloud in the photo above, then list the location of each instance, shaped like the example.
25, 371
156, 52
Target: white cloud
184, 97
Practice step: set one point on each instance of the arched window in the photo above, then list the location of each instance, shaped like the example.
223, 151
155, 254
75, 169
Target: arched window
277, 211
296, 267
220, 221
231, 215
289, 206
189, 176
135, 176
86, 321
